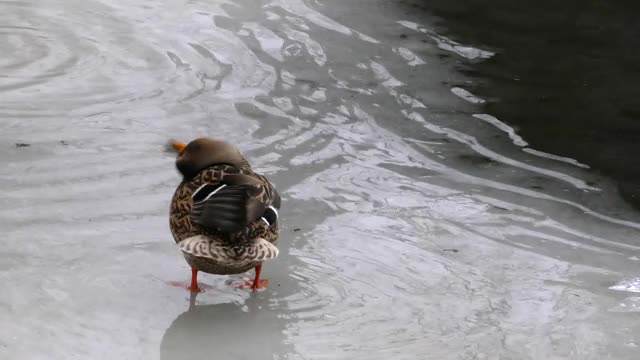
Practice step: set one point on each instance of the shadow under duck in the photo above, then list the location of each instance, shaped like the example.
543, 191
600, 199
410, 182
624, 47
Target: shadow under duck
224, 216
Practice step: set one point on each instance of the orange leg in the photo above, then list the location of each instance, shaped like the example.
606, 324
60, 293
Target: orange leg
194, 281
194, 288
256, 284
256, 281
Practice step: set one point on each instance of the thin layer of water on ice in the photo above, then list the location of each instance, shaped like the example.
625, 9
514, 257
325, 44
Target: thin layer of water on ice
413, 223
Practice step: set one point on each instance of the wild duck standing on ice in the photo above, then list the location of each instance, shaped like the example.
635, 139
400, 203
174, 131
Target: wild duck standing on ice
224, 216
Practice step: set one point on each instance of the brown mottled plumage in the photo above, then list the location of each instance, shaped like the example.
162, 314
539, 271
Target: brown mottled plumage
223, 215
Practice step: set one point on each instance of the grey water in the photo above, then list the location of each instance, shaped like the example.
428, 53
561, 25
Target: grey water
416, 223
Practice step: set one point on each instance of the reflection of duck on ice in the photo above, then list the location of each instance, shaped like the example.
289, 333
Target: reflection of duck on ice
223, 215
223, 331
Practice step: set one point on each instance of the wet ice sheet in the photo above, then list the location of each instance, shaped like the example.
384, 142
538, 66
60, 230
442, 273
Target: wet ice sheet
630, 304
517, 139
631, 285
407, 230
468, 52
464, 94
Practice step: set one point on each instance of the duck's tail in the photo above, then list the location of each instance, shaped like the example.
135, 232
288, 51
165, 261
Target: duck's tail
258, 250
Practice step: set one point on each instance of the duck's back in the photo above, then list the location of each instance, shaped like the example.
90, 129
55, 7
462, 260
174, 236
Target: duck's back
224, 219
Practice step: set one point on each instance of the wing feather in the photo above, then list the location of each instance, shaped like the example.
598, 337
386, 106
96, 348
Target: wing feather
236, 201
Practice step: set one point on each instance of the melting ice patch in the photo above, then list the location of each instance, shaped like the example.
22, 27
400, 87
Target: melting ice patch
411, 25
555, 157
288, 79
630, 285
382, 74
468, 52
473, 143
319, 95
299, 8
630, 304
411, 101
269, 41
283, 103
444, 43
465, 95
298, 22
307, 110
272, 16
333, 118
412, 59
313, 47
367, 38
517, 140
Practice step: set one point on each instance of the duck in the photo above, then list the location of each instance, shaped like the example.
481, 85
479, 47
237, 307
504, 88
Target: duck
223, 215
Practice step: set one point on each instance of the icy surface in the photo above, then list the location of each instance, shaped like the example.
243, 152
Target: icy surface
410, 228
631, 285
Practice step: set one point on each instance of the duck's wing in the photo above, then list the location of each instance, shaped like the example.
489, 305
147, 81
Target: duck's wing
235, 201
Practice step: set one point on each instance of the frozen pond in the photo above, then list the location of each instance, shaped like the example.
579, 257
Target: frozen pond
415, 225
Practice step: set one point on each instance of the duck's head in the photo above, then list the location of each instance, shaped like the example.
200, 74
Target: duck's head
201, 153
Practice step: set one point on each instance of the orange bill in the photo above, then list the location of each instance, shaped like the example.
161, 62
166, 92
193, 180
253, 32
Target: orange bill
177, 146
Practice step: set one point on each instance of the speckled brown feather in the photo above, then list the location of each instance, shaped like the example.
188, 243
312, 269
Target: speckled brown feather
216, 252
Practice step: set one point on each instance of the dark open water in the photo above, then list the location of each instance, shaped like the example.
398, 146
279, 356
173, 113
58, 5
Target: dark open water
565, 74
